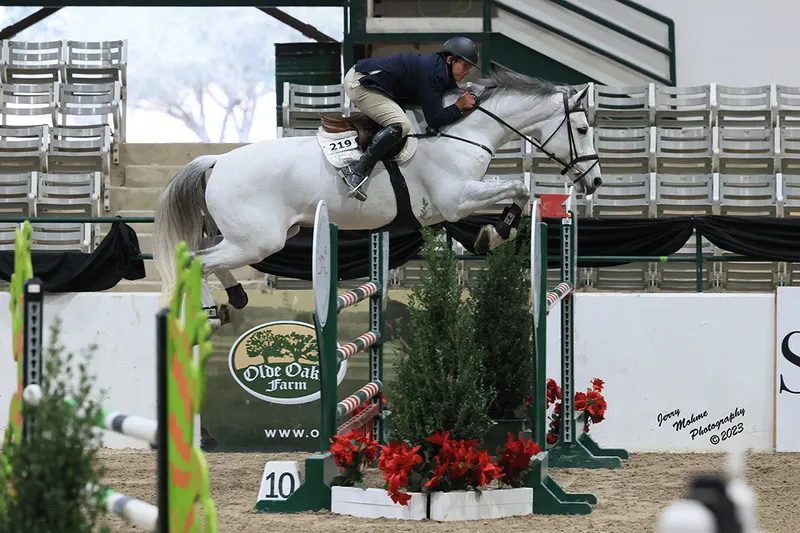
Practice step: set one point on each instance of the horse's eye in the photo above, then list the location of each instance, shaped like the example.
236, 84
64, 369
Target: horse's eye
583, 131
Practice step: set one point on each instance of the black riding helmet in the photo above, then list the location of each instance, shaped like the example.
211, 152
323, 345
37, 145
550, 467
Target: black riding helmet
462, 48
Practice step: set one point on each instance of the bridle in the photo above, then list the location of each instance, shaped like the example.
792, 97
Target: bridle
573, 150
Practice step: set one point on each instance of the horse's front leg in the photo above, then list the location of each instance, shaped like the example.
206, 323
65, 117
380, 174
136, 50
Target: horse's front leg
480, 195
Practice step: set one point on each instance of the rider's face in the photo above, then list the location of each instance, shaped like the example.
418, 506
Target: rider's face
460, 69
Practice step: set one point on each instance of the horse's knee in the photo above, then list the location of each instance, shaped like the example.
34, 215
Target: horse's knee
521, 190
451, 214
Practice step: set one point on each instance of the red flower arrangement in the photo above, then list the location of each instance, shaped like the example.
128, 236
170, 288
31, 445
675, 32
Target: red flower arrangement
396, 462
446, 465
460, 464
591, 403
514, 460
352, 453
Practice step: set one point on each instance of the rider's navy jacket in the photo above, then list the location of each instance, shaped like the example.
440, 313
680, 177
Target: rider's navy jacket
413, 78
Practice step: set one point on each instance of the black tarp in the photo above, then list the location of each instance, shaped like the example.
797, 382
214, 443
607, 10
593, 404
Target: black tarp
769, 239
764, 238
113, 260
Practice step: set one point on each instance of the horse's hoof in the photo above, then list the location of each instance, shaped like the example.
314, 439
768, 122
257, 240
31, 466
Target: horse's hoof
489, 239
224, 314
482, 242
237, 296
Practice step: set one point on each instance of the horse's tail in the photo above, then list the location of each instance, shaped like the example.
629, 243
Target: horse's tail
179, 216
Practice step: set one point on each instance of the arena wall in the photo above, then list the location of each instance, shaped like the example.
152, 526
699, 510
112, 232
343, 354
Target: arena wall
732, 43
710, 356
679, 354
122, 325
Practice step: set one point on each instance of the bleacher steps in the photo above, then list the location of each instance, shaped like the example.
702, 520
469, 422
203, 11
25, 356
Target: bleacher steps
171, 153
149, 175
135, 198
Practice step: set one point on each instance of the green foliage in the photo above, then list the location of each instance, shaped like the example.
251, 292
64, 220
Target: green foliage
266, 343
503, 324
439, 381
45, 492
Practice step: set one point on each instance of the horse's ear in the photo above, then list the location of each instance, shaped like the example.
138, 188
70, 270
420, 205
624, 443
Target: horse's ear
578, 98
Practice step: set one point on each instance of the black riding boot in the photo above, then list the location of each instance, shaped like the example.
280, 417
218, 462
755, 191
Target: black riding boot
357, 173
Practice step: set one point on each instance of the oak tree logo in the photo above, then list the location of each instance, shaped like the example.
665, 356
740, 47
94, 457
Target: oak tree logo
278, 362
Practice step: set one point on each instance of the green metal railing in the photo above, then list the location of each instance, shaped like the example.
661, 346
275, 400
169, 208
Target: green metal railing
698, 260
82, 220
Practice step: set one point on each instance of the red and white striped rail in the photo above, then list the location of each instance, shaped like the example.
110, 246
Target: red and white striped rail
357, 295
559, 292
359, 344
360, 396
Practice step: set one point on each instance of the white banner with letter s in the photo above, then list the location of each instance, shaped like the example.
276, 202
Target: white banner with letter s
787, 370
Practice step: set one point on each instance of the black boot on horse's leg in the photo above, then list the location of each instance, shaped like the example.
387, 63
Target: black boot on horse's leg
511, 218
357, 173
236, 296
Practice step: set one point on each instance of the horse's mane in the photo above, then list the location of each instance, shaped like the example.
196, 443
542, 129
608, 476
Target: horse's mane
503, 78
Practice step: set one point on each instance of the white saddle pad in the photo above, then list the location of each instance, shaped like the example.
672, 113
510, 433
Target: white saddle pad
341, 149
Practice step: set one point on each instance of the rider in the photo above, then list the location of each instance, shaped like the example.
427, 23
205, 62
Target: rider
374, 84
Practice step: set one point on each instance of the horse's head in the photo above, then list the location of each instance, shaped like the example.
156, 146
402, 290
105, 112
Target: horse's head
552, 117
565, 137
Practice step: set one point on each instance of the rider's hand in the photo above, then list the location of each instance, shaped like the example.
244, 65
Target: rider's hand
465, 101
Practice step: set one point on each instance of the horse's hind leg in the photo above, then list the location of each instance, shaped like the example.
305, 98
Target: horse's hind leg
230, 254
237, 296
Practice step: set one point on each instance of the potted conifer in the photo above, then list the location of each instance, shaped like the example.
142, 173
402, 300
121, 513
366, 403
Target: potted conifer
499, 300
441, 363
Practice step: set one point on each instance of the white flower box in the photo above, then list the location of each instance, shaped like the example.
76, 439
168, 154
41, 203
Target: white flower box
376, 503
489, 503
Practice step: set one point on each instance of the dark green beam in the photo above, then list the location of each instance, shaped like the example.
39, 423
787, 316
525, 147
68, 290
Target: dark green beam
306, 29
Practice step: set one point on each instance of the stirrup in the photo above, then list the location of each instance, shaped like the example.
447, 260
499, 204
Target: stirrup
354, 191
357, 189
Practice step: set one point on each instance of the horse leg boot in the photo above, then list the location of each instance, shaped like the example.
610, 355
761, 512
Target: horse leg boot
357, 173
237, 297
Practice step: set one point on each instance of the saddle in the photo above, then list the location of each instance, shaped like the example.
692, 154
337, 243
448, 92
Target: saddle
365, 126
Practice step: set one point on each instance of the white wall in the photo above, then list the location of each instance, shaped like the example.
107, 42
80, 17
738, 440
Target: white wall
656, 353
733, 43
123, 327
659, 353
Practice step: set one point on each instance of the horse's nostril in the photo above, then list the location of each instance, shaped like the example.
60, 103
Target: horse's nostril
597, 182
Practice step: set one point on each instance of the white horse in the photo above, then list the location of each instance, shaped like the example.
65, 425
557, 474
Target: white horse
259, 195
